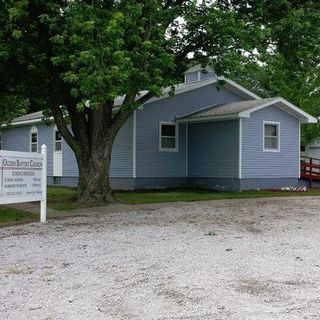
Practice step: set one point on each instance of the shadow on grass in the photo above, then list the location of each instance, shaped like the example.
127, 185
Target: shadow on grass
10, 216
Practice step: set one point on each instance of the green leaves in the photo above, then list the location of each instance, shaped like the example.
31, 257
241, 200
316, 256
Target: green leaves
12, 106
67, 52
16, 34
73, 51
287, 55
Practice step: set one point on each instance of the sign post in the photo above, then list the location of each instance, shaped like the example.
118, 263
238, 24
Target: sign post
43, 204
23, 178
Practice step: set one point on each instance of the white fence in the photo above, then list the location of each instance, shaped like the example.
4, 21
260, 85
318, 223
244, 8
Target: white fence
23, 178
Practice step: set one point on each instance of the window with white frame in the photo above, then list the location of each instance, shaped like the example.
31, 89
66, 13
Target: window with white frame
57, 141
271, 136
34, 139
168, 137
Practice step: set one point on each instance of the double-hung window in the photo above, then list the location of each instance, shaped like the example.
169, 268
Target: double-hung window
34, 139
168, 140
271, 136
57, 141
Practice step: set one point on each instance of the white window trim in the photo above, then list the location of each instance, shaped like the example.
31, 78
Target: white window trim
33, 130
240, 149
187, 149
176, 149
134, 147
278, 136
299, 149
54, 141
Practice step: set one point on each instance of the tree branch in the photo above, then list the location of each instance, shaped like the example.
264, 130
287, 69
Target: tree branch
173, 3
145, 98
63, 129
122, 115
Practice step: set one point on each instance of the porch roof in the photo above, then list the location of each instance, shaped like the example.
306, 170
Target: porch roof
243, 109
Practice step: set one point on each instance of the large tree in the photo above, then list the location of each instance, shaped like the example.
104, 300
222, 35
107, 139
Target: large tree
74, 58
288, 56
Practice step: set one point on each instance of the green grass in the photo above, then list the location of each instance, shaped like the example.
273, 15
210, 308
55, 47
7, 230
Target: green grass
189, 195
13, 216
60, 198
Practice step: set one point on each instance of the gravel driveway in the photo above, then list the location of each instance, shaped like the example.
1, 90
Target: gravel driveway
231, 259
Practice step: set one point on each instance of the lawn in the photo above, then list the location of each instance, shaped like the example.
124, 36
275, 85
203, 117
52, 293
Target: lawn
202, 195
60, 198
13, 216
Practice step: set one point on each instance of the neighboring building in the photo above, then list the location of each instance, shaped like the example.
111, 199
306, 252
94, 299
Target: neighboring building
209, 135
312, 149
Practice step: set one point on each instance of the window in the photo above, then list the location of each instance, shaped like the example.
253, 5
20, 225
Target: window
56, 180
0, 139
271, 133
57, 141
34, 139
168, 137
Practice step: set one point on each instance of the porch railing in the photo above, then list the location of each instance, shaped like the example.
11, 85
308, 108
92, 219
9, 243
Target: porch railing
310, 169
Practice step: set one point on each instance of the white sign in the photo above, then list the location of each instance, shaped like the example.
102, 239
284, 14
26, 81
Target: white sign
23, 178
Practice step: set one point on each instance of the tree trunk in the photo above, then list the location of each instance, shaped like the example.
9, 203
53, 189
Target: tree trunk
94, 184
91, 138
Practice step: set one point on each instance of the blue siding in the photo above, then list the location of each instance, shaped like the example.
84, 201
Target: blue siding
121, 160
214, 149
122, 152
69, 162
150, 161
206, 75
192, 76
45, 136
16, 139
259, 164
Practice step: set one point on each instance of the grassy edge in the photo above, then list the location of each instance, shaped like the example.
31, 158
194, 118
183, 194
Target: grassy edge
11, 216
59, 198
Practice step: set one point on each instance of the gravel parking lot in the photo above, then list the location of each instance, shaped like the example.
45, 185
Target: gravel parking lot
230, 259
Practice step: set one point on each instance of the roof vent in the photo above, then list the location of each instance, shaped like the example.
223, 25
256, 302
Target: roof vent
198, 73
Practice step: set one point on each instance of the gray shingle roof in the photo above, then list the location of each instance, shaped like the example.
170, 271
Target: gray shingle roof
227, 109
30, 116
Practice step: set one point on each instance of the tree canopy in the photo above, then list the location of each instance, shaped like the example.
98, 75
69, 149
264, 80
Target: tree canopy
290, 53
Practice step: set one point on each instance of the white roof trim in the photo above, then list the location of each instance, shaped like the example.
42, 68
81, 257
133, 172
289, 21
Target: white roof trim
279, 102
209, 118
201, 83
239, 87
293, 110
19, 123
